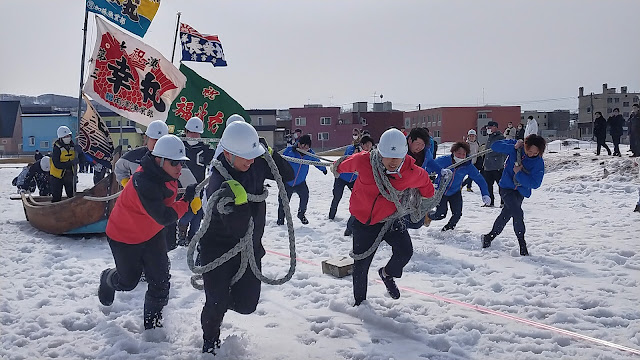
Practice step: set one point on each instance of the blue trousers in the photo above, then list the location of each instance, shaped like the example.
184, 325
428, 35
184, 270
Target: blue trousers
363, 237
193, 221
455, 203
512, 210
303, 192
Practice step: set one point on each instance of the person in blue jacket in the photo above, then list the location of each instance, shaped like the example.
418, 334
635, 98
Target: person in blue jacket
348, 179
453, 195
299, 184
523, 171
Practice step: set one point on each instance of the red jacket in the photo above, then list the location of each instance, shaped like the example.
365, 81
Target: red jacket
367, 204
147, 204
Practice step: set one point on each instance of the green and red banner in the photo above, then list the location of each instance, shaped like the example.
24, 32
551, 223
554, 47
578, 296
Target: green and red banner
206, 101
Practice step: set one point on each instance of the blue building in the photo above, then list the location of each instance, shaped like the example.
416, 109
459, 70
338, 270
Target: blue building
39, 130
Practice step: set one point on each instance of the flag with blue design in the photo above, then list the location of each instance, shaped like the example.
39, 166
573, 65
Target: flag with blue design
200, 47
94, 137
132, 15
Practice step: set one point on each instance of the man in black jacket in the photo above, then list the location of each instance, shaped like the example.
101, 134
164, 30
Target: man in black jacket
64, 164
242, 158
634, 130
615, 123
600, 132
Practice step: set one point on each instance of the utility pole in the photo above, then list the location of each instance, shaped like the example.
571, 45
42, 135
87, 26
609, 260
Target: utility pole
592, 118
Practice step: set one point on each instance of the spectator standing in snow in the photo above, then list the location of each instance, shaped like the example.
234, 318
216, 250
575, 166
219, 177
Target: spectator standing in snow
299, 183
520, 132
370, 207
64, 164
242, 158
453, 195
347, 179
474, 148
600, 132
616, 123
523, 171
532, 127
634, 130
200, 155
136, 228
510, 131
493, 161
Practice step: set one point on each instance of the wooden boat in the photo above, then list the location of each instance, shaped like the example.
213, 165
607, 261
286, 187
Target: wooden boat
72, 216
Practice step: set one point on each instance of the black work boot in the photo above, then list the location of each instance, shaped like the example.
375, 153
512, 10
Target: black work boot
303, 219
210, 346
182, 235
106, 292
332, 213
448, 227
637, 209
152, 319
486, 240
388, 281
523, 247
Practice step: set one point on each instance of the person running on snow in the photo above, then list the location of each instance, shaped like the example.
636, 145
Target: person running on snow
348, 179
522, 173
421, 149
64, 164
474, 147
242, 158
200, 155
136, 228
299, 184
459, 152
369, 208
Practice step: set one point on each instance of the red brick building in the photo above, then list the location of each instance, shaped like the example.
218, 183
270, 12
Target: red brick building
453, 123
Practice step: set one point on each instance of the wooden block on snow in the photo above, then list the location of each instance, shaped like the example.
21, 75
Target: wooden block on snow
338, 267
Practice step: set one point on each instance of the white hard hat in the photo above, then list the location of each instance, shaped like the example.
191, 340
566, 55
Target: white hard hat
234, 117
45, 163
471, 132
169, 147
241, 139
393, 144
63, 131
195, 125
157, 129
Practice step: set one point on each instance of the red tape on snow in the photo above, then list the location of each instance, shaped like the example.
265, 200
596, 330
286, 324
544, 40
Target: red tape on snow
497, 313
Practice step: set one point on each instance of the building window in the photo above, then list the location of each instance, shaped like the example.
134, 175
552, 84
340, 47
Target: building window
407, 123
300, 121
108, 123
625, 114
609, 100
635, 99
325, 120
482, 116
259, 120
124, 142
323, 136
44, 144
32, 141
617, 100
625, 104
588, 110
609, 110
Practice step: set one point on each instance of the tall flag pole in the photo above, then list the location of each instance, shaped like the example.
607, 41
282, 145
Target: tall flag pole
84, 50
175, 38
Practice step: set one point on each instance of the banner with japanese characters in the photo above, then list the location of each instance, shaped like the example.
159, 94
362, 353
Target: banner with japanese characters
132, 15
200, 47
205, 100
94, 137
130, 77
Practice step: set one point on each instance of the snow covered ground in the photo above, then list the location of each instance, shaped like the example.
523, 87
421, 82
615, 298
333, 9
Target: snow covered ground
583, 276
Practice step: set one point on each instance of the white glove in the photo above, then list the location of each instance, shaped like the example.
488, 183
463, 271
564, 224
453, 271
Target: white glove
334, 169
447, 173
486, 199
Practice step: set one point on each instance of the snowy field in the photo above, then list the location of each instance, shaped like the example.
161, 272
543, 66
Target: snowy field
583, 276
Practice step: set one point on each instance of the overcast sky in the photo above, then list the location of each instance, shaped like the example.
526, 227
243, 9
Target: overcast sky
288, 53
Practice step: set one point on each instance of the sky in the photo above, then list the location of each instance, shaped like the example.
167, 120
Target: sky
287, 53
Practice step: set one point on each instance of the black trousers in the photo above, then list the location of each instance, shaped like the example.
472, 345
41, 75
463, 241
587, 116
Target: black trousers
601, 143
491, 177
241, 297
56, 186
303, 192
455, 203
468, 181
131, 260
512, 210
338, 191
616, 144
363, 237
